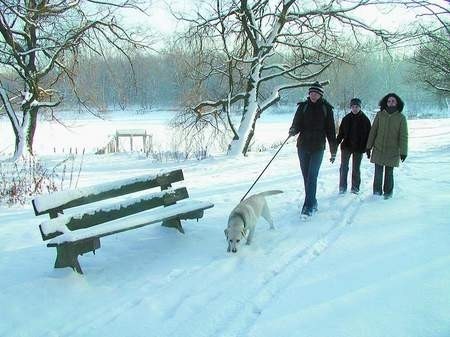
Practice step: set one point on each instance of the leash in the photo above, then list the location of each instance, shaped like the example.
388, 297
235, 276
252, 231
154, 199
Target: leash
265, 168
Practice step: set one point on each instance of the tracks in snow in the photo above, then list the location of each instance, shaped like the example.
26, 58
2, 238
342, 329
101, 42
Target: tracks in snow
224, 297
285, 274
242, 301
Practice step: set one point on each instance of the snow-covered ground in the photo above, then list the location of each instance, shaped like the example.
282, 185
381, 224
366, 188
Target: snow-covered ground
362, 267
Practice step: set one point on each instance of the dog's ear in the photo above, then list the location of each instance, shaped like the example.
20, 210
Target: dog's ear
226, 236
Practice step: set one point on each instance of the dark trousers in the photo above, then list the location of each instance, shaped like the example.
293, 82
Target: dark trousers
388, 186
310, 164
356, 172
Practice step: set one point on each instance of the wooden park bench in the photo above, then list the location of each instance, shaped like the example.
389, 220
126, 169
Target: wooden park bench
117, 211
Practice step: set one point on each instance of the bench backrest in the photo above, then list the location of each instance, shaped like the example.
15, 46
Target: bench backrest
54, 204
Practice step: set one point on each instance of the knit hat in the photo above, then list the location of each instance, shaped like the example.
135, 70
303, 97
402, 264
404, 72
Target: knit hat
355, 101
316, 87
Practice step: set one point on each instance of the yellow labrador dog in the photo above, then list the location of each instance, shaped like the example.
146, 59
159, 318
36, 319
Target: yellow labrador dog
243, 218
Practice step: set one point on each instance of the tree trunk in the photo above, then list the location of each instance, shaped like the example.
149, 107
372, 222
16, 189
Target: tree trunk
447, 102
250, 114
15, 124
19, 144
251, 132
30, 129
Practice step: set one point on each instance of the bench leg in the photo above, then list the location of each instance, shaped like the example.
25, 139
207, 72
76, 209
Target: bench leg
173, 223
67, 253
66, 257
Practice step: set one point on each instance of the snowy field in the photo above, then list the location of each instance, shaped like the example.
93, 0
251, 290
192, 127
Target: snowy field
362, 267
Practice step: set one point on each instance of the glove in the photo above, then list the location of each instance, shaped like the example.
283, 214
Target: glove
292, 131
402, 157
332, 158
368, 154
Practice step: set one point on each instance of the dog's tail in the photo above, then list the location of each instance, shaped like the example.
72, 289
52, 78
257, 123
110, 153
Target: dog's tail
272, 192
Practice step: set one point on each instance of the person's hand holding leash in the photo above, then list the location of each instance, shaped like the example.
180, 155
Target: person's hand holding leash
292, 131
332, 158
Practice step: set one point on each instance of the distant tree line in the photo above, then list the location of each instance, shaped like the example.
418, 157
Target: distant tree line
161, 80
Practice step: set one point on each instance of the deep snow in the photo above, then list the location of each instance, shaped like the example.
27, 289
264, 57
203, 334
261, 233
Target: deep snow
362, 267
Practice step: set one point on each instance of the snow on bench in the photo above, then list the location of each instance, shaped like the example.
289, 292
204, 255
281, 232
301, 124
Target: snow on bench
63, 224
79, 233
131, 222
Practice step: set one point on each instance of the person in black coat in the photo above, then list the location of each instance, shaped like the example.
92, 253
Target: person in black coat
353, 134
314, 123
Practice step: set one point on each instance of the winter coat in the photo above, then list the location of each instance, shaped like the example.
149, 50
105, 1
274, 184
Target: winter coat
353, 132
389, 138
314, 122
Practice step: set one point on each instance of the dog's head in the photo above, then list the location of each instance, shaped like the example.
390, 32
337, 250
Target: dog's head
235, 233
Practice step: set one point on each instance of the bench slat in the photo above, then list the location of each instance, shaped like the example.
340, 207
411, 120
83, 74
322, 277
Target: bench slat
185, 207
55, 227
56, 202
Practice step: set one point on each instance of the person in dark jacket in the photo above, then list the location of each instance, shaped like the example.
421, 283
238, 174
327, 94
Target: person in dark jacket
313, 122
353, 133
388, 140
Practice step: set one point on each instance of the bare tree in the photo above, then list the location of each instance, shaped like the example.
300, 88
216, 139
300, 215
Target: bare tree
433, 56
40, 42
258, 49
